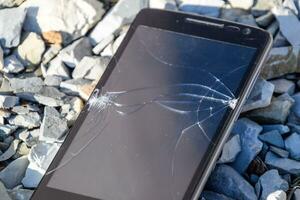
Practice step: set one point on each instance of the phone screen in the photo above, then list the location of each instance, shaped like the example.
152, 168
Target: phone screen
149, 126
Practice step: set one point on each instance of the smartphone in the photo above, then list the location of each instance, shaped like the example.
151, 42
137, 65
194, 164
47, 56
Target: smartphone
159, 116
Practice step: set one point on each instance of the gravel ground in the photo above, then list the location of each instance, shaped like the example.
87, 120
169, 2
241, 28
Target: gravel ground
52, 53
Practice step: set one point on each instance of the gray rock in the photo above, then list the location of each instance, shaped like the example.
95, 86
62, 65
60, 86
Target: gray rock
91, 68
244, 4
12, 65
288, 19
116, 18
13, 174
294, 127
276, 112
265, 20
21, 194
53, 81
67, 16
230, 150
209, 195
32, 84
282, 60
71, 110
260, 96
247, 19
297, 194
282, 129
8, 101
283, 164
163, 4
280, 152
31, 50
296, 107
22, 150
49, 96
273, 28
283, 86
29, 137
3, 192
10, 31
29, 120
25, 108
58, 68
10, 3
270, 182
53, 126
1, 58
292, 144
33, 176
10, 151
76, 87
251, 145
273, 138
73, 54
6, 130
225, 180
40, 157
280, 40
203, 7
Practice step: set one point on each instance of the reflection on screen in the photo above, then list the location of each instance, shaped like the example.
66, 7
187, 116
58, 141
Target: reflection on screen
150, 125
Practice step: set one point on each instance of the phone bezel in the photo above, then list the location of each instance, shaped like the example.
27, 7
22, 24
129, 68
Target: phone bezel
206, 27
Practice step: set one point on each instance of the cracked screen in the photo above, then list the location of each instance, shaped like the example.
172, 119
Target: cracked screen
149, 126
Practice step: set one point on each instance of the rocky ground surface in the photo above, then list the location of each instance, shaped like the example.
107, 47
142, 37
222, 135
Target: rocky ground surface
52, 53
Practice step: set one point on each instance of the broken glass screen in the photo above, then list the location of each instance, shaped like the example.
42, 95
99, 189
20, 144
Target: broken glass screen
149, 126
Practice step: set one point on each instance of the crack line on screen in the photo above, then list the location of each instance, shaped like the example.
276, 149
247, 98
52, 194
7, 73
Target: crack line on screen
178, 102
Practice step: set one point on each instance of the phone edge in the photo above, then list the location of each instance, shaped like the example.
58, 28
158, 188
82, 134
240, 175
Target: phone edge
213, 161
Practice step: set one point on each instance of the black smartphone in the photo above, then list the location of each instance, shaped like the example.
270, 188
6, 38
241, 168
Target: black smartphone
157, 120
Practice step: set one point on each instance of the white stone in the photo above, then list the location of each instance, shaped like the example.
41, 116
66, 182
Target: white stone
71, 17
10, 3
101, 45
122, 13
10, 31
58, 68
244, 4
90, 68
31, 50
277, 195
12, 65
163, 4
